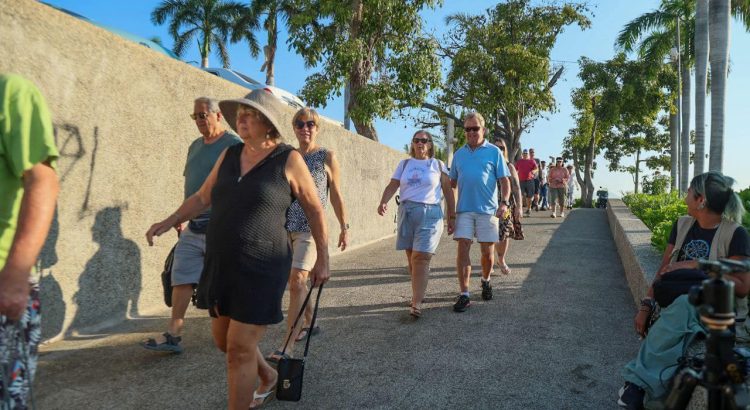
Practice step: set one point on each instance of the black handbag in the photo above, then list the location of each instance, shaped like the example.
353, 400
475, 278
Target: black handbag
289, 384
166, 277
673, 284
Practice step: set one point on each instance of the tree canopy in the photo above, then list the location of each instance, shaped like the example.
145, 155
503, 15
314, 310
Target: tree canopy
376, 47
501, 63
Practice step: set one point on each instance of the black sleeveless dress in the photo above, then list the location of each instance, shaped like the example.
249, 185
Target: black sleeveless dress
248, 257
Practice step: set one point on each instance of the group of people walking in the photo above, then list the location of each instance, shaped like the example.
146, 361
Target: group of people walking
546, 187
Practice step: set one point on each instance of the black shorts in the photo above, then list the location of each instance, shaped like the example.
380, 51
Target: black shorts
527, 188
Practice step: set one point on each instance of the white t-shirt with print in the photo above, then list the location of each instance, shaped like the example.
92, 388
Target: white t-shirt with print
420, 181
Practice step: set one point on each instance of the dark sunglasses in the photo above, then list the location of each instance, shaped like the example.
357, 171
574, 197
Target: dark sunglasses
472, 129
301, 124
420, 140
201, 115
501, 148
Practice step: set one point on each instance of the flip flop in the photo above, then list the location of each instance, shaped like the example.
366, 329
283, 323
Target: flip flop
415, 312
303, 333
263, 397
505, 269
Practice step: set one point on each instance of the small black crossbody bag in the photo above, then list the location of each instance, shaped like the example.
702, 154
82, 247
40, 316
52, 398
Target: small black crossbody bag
289, 384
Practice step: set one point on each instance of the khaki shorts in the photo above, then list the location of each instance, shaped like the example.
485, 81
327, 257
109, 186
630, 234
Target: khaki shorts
470, 225
304, 252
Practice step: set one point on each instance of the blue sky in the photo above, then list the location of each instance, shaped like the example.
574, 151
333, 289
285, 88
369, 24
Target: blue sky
546, 136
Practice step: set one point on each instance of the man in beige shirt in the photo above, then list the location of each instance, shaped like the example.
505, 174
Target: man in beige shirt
558, 184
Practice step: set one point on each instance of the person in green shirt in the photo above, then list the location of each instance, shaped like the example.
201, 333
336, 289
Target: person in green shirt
28, 192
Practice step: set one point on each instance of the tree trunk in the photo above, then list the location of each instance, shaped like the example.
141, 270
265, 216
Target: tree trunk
270, 50
588, 200
685, 129
719, 26
673, 151
701, 66
577, 168
637, 169
359, 76
204, 62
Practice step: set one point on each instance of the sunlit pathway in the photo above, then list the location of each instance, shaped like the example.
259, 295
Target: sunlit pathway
555, 336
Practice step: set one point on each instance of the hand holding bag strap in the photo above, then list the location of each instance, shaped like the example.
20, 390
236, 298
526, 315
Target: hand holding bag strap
301, 312
312, 324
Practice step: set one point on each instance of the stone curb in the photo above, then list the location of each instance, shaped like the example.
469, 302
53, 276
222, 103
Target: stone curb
633, 240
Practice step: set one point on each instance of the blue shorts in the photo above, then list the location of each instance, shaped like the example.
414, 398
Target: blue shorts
419, 227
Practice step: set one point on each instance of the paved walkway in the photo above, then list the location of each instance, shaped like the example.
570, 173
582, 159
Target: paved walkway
555, 337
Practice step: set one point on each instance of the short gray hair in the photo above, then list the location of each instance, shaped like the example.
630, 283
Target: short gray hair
212, 103
478, 116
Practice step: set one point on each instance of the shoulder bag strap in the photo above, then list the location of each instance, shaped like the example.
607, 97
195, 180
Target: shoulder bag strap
312, 324
301, 312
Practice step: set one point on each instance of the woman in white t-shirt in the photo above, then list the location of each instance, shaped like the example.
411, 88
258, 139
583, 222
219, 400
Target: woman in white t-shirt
422, 182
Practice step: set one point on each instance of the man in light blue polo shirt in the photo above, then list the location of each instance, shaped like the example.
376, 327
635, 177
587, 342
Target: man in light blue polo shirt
478, 170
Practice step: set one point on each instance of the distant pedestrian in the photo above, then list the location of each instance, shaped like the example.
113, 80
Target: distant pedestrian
191, 247
422, 182
478, 170
537, 181
247, 246
558, 182
527, 172
324, 167
510, 222
543, 185
28, 191
572, 186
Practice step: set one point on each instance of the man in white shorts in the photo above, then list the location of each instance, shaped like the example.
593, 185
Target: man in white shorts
478, 170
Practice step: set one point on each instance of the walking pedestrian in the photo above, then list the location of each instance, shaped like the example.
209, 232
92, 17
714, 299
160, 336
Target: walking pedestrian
537, 182
325, 170
191, 246
422, 182
527, 171
28, 162
543, 185
479, 171
248, 258
558, 180
510, 222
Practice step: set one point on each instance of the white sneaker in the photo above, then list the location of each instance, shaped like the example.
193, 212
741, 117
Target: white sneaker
562, 214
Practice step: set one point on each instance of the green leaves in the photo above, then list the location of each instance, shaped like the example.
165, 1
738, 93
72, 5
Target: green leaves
376, 46
500, 62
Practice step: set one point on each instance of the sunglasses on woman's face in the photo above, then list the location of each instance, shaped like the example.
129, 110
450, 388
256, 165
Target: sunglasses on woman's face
302, 124
501, 147
420, 140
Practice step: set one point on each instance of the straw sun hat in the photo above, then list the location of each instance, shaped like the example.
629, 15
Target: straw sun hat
263, 101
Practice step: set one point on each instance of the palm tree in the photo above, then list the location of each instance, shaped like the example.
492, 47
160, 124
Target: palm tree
249, 22
657, 31
210, 20
719, 55
701, 76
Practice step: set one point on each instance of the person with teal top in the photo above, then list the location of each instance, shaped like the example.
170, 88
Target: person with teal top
28, 192
191, 247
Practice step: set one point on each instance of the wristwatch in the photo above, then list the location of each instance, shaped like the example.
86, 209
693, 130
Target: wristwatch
648, 302
345, 227
504, 202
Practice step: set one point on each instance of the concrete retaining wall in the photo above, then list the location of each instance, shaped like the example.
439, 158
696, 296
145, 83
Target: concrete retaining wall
633, 239
120, 112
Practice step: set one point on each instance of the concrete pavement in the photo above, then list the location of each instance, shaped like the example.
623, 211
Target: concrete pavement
555, 336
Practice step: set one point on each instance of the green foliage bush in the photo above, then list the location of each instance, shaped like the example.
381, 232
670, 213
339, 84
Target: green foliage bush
659, 212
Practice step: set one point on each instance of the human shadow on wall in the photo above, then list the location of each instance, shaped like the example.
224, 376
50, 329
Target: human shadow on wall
110, 285
53, 305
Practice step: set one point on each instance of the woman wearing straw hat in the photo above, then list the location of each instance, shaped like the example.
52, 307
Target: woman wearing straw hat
247, 252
